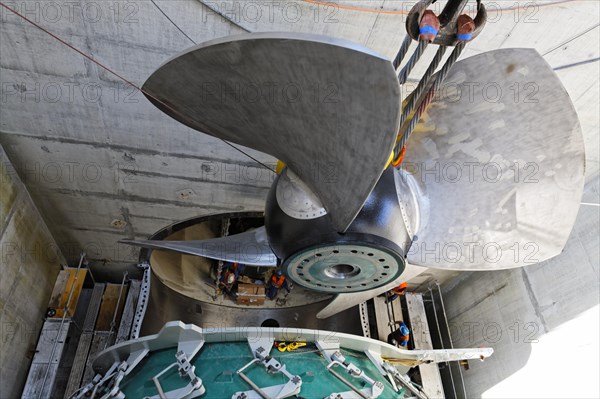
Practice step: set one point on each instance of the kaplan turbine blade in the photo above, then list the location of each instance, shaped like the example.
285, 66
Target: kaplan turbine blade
495, 170
326, 107
249, 248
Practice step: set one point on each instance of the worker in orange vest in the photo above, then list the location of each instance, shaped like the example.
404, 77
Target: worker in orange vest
394, 293
276, 282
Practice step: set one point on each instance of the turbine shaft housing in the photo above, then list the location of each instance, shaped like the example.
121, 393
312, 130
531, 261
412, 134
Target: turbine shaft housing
369, 254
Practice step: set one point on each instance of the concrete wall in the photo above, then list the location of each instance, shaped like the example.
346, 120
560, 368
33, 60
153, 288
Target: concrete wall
30, 262
541, 320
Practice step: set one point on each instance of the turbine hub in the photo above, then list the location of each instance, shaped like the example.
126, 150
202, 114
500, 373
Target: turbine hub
368, 255
343, 267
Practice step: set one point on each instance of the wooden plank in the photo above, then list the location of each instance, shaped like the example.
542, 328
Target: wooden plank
430, 373
66, 362
85, 341
110, 299
59, 287
100, 341
418, 321
68, 279
103, 336
129, 311
79, 364
45, 363
396, 308
35, 378
250, 289
93, 308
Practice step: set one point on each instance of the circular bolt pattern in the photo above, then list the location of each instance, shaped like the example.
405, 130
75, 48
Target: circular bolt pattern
343, 268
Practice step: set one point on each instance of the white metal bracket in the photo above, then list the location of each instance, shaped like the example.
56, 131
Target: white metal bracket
261, 348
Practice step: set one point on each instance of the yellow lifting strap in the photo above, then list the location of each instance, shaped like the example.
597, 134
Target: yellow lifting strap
292, 346
279, 167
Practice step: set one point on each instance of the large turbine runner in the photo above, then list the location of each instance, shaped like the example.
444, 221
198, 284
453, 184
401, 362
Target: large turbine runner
492, 176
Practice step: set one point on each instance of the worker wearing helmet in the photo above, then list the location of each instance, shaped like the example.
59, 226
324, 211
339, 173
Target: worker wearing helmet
276, 282
394, 293
400, 337
235, 267
228, 282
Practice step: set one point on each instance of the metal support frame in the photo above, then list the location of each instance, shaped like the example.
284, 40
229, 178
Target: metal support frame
462, 380
108, 384
113, 322
364, 319
377, 360
143, 300
85, 341
437, 324
133, 294
404, 380
261, 355
332, 353
193, 389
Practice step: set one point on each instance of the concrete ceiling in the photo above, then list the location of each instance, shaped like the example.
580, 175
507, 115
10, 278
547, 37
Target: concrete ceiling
103, 164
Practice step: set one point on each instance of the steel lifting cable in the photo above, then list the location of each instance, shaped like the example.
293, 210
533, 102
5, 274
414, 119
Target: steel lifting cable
403, 50
439, 79
416, 94
403, 135
412, 61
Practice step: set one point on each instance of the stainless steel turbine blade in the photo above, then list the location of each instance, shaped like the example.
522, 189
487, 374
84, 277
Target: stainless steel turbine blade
342, 302
493, 175
249, 248
326, 107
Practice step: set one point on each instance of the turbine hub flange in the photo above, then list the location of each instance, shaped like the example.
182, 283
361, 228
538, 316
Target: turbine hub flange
343, 267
